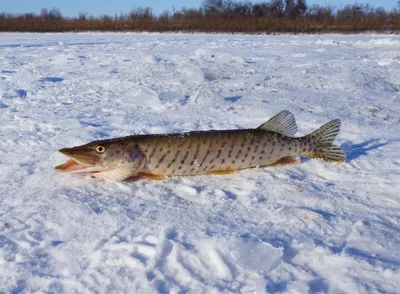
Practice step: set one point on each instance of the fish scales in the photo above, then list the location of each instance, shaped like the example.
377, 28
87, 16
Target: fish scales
204, 152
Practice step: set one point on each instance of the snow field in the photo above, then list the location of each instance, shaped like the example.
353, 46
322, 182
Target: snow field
311, 228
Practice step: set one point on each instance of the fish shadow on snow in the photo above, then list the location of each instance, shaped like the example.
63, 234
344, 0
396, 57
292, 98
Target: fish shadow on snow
354, 151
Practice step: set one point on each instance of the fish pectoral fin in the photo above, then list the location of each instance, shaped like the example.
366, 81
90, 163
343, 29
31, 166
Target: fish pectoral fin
222, 172
153, 177
288, 160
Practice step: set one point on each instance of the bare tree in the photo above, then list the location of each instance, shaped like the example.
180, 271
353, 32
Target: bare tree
276, 8
141, 13
55, 14
164, 16
301, 8
44, 13
82, 16
289, 8
212, 7
260, 10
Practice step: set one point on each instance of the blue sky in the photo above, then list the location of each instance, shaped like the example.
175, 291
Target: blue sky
110, 7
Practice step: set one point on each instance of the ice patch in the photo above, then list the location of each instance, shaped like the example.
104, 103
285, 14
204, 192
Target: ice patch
186, 191
180, 61
202, 52
171, 96
150, 59
255, 254
142, 96
192, 75
236, 84
225, 58
238, 60
206, 96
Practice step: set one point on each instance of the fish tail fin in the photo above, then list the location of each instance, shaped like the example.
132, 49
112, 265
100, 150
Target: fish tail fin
323, 140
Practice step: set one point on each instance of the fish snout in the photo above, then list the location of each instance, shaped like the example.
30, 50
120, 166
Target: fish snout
82, 156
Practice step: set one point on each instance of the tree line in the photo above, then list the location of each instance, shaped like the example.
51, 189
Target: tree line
272, 16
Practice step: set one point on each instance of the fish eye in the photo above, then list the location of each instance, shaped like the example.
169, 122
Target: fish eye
100, 149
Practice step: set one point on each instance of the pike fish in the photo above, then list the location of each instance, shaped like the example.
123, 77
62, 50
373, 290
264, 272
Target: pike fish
203, 152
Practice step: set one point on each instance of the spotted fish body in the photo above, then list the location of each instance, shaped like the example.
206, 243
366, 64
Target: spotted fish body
205, 152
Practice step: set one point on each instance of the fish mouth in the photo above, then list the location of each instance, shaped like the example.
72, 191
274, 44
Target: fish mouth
82, 161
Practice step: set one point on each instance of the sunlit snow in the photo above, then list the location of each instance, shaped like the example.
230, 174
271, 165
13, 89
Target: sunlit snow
311, 228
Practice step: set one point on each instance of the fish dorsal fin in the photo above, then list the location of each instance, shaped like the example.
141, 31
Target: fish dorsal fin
282, 123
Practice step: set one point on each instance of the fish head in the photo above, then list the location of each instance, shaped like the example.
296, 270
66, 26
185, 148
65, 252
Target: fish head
106, 159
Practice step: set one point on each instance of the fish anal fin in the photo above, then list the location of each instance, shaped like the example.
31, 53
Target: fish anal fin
288, 160
283, 123
152, 176
222, 172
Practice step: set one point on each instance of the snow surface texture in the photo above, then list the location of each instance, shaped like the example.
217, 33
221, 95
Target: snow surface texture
311, 228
